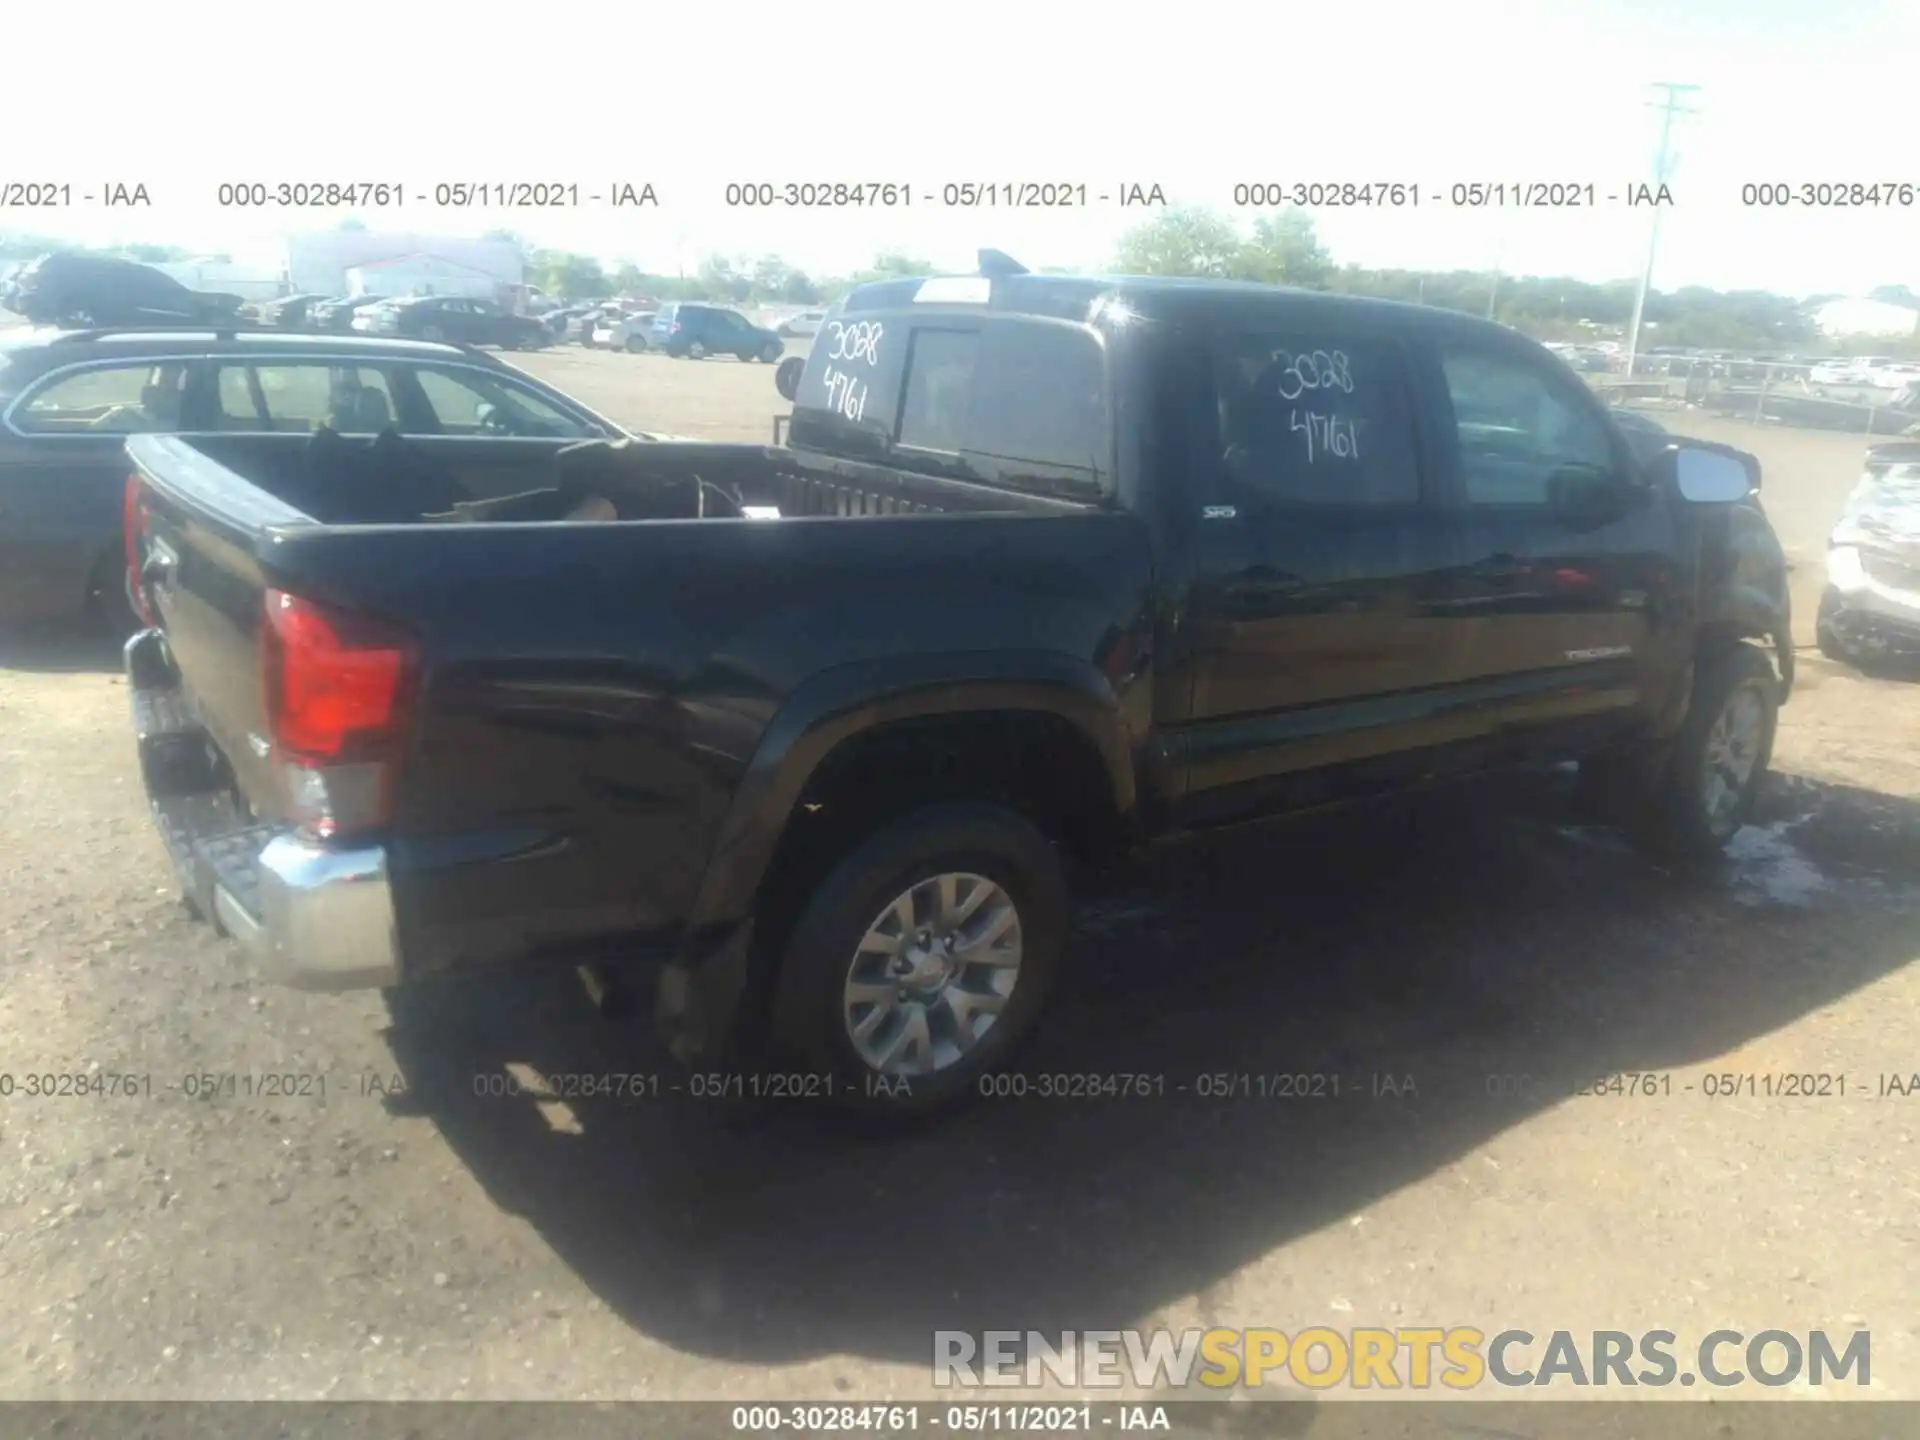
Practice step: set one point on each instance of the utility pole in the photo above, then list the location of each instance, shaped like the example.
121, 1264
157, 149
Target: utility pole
1663, 171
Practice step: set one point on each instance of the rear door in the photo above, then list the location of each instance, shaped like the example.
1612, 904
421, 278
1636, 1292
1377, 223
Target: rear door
1324, 642
63, 476
1569, 588
488, 324
492, 434
734, 334
464, 323
495, 434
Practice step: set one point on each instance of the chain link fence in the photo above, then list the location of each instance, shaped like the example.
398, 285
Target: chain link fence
1781, 394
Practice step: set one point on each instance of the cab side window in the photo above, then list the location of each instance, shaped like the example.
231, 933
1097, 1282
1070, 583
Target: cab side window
1521, 437
1314, 420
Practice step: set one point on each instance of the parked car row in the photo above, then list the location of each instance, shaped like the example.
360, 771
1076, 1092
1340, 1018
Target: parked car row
1866, 371
681, 329
452, 318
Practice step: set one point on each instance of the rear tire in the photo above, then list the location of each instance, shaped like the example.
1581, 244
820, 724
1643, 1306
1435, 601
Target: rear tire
904, 1035
697, 351
635, 345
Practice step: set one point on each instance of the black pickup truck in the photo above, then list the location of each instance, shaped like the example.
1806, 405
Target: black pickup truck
1051, 567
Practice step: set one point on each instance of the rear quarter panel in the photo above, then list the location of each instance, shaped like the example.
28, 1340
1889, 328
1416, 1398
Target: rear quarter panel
593, 695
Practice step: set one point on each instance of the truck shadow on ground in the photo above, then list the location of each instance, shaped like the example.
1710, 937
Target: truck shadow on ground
58, 649
1471, 942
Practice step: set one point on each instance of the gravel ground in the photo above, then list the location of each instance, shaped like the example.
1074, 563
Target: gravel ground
411, 1233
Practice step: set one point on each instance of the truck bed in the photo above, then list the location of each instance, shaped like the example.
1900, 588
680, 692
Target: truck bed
335, 480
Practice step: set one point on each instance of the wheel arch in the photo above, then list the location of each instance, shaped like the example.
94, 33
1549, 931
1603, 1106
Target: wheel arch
838, 708
1750, 616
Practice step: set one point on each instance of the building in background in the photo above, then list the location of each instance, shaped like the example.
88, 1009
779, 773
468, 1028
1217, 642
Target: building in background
226, 277
321, 263
1880, 318
423, 275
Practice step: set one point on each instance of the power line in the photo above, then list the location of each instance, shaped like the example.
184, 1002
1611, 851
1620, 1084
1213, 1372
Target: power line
1669, 107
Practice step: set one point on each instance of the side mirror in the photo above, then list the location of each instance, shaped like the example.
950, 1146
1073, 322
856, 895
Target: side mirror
1712, 475
786, 378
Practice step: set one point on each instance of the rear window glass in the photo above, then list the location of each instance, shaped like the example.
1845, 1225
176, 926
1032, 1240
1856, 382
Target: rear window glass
939, 388
122, 398
1017, 403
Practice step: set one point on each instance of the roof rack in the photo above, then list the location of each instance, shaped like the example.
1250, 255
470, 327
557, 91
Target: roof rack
92, 333
183, 327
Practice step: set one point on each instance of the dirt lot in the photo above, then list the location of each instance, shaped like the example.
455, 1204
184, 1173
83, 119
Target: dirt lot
456, 1243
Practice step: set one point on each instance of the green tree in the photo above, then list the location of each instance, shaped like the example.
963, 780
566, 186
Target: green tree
567, 275
1182, 240
723, 279
769, 276
352, 222
1285, 250
798, 289
893, 265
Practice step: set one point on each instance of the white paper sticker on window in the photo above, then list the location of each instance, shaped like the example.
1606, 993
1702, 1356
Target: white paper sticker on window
954, 290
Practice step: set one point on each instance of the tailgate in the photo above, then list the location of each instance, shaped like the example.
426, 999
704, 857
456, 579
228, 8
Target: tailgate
194, 529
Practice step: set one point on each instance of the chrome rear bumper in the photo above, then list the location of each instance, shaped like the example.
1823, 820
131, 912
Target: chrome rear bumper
313, 916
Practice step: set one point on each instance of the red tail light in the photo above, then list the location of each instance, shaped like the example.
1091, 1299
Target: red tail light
133, 530
338, 686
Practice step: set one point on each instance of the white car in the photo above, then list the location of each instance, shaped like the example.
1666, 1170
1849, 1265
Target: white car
1896, 376
628, 333
807, 322
1855, 371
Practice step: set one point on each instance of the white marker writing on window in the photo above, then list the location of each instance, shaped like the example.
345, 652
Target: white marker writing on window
1313, 370
858, 341
846, 395
1326, 435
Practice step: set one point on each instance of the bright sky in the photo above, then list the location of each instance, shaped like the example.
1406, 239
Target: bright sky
1194, 97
